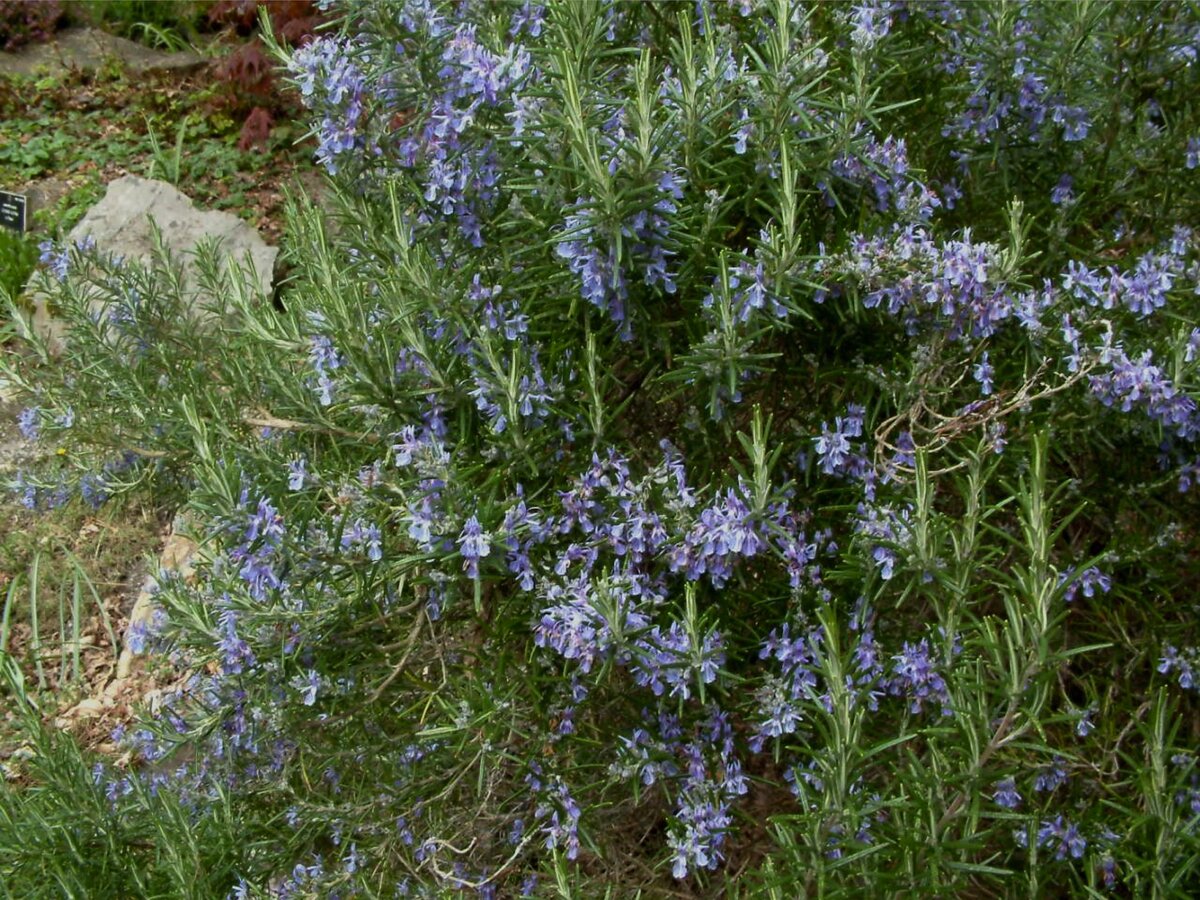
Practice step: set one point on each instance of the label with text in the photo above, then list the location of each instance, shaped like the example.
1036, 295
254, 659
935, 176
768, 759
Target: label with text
12, 211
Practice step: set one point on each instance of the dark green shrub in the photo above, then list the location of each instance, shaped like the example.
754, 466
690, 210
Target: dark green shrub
18, 257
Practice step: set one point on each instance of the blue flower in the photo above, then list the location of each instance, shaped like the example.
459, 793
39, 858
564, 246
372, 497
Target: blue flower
1006, 794
871, 21
1063, 836
56, 260
236, 653
1051, 777
1184, 662
915, 676
1074, 120
743, 133
296, 474
983, 373
308, 685
474, 544
1063, 192
29, 422
135, 637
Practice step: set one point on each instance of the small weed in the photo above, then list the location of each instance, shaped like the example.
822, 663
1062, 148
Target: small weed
62, 575
162, 24
18, 256
163, 163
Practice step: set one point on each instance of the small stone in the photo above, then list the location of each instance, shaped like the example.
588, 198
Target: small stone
176, 559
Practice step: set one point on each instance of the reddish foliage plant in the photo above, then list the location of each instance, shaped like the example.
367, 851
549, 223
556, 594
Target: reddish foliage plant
256, 129
248, 70
28, 21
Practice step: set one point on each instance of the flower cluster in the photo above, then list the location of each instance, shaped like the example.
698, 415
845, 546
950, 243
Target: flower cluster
329, 74
1183, 664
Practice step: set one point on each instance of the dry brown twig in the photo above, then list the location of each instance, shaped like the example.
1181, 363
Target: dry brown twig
937, 436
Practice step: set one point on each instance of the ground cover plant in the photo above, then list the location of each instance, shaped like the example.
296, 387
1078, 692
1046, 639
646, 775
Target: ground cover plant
709, 449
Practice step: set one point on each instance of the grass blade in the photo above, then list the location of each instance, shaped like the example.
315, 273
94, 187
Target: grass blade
76, 619
10, 602
82, 579
36, 638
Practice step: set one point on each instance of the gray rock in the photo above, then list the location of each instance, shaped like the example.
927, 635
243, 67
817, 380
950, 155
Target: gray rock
89, 49
177, 559
121, 225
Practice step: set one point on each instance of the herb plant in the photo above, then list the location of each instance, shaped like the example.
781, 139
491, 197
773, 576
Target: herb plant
720, 448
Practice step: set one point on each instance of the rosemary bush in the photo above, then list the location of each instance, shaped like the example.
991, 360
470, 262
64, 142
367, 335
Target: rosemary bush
720, 448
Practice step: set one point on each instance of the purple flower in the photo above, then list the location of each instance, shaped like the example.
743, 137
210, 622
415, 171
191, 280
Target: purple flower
833, 447
325, 359
236, 655
1006, 794
669, 659
593, 259
296, 474
983, 373
135, 637
258, 571
905, 450
528, 19
29, 422
331, 82
1063, 191
1183, 662
915, 676
1088, 581
1192, 159
950, 284
1074, 120
266, 524
559, 812
93, 490
1108, 869
56, 260
308, 686
1063, 837
1192, 350
516, 831
421, 522
722, 532
871, 21
1050, 777
27, 490
1139, 383
364, 536
474, 544
743, 133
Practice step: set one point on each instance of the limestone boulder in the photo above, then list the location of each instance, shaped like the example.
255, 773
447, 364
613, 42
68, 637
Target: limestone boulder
88, 50
123, 223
